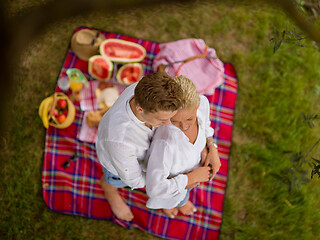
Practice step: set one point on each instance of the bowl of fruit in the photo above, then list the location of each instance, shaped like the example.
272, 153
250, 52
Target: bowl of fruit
57, 111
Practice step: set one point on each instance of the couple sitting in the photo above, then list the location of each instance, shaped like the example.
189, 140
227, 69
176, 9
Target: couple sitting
157, 135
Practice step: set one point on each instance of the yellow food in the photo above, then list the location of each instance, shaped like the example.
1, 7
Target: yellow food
44, 111
93, 118
107, 97
44, 114
76, 86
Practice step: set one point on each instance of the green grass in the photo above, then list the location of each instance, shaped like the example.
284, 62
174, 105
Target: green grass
273, 90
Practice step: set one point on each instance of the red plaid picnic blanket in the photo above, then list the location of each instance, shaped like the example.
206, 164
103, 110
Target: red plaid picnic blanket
72, 186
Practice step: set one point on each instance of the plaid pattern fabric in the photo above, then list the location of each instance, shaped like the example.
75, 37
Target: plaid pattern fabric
88, 100
72, 187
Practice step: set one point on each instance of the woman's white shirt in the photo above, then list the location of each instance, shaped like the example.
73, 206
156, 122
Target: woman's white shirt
170, 156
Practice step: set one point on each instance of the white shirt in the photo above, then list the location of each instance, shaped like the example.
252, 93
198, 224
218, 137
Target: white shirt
170, 156
123, 141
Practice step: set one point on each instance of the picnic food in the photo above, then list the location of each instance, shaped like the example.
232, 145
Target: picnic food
107, 96
122, 51
57, 110
93, 118
61, 118
62, 103
129, 73
100, 67
103, 85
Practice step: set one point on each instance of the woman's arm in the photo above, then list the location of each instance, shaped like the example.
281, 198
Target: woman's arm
158, 184
200, 174
210, 155
212, 159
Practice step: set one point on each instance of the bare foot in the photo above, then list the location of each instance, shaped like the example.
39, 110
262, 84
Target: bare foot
187, 209
118, 206
171, 213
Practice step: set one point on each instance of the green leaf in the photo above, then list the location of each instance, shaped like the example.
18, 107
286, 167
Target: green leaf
316, 160
276, 46
310, 123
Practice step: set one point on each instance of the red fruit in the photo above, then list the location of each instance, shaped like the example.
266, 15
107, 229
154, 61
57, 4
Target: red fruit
62, 103
55, 112
65, 112
129, 73
100, 67
118, 50
61, 118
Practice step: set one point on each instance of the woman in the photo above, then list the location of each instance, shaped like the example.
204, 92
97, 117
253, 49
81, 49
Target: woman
174, 159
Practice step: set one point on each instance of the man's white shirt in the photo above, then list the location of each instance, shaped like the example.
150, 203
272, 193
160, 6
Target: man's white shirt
123, 141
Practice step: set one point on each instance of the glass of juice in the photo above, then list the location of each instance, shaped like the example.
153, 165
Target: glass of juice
77, 81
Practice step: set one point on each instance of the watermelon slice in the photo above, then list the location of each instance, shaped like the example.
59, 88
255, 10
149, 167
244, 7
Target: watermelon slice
100, 67
129, 73
122, 51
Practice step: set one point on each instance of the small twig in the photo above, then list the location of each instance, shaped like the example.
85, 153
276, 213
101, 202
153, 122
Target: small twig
311, 149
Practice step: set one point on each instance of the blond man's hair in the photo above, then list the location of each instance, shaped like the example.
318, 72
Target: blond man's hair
190, 93
158, 92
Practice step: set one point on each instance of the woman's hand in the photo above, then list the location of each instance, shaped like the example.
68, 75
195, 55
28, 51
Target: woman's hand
212, 160
200, 174
204, 154
193, 185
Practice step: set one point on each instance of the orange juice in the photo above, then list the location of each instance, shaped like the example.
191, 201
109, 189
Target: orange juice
76, 86
77, 82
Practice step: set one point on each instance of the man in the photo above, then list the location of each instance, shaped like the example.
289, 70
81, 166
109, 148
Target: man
125, 132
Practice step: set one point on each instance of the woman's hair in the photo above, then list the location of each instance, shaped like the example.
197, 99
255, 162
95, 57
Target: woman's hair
190, 93
158, 92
